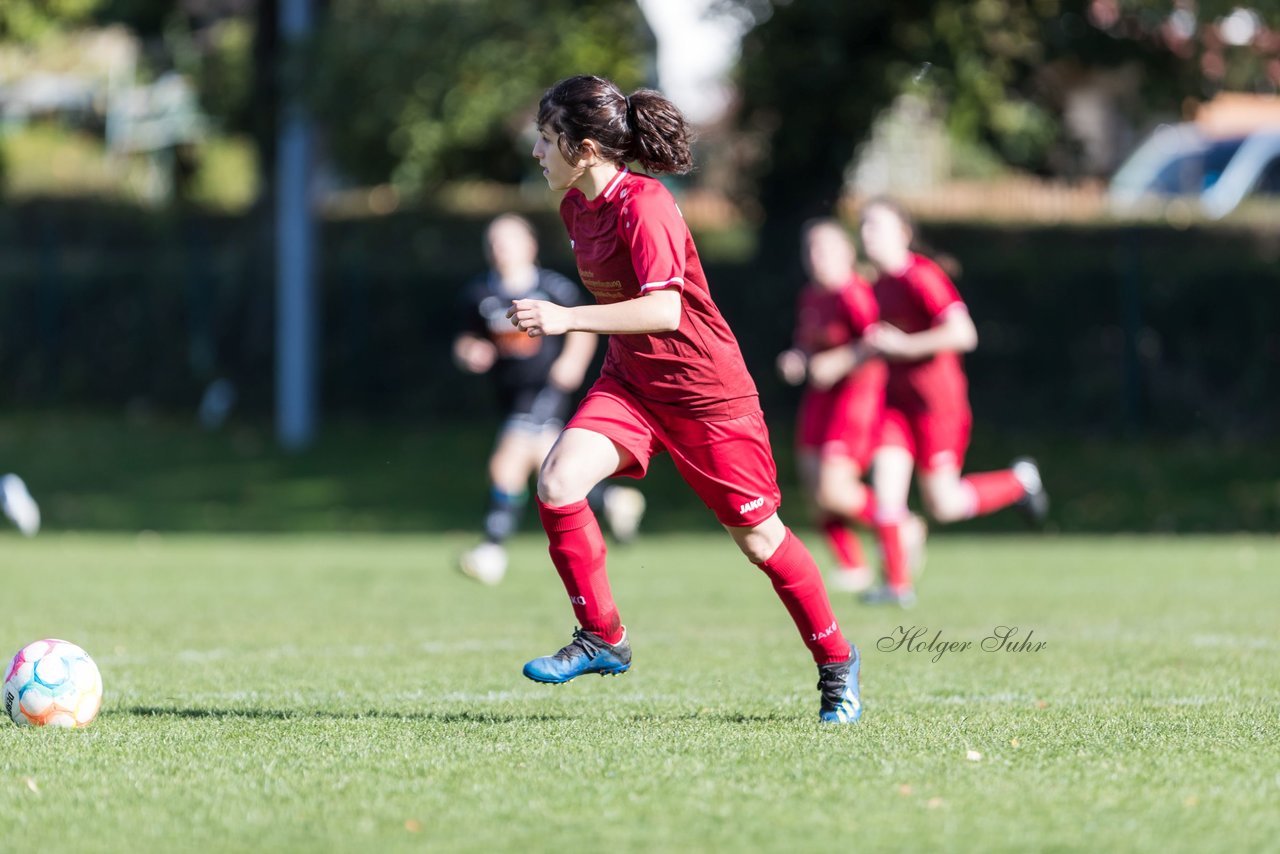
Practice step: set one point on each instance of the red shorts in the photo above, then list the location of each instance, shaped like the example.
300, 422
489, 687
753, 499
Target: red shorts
841, 422
728, 463
935, 441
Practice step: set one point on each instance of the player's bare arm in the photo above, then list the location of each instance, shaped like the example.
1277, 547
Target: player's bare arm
648, 315
793, 366
830, 366
474, 354
568, 371
956, 334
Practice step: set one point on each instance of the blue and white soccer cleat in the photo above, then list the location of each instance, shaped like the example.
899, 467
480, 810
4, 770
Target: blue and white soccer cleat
841, 690
586, 653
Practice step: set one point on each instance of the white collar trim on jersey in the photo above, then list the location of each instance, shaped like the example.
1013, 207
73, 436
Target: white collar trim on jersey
612, 186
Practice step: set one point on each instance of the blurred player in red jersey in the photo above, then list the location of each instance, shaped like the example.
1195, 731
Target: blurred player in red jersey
534, 378
839, 418
924, 328
673, 381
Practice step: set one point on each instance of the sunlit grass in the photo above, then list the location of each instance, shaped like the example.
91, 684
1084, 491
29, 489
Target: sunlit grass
354, 693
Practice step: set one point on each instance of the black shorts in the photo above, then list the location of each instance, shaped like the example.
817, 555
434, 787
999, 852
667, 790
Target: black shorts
535, 410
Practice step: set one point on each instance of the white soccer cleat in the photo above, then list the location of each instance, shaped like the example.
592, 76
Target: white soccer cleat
850, 579
1027, 472
19, 506
1035, 504
623, 510
486, 563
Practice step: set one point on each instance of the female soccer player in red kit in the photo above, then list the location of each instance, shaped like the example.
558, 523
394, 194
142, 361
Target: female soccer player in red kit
839, 418
924, 329
673, 380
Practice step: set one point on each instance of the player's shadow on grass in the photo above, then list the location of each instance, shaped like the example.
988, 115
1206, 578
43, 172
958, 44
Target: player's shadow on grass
303, 714
472, 717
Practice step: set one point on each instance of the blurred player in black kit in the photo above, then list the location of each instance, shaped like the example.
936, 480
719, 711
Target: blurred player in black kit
534, 378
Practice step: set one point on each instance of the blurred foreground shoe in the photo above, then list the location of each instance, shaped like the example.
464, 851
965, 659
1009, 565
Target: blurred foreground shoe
19, 506
902, 597
850, 579
486, 563
841, 688
586, 653
1035, 504
623, 510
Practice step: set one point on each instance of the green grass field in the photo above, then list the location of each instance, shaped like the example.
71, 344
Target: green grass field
353, 693
98, 472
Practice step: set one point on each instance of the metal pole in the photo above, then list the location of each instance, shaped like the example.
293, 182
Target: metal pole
295, 252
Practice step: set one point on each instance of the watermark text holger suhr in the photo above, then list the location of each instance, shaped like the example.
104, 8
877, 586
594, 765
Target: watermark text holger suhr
918, 639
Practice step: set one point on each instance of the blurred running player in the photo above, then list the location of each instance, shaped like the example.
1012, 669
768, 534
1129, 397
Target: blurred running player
839, 417
534, 378
673, 381
923, 330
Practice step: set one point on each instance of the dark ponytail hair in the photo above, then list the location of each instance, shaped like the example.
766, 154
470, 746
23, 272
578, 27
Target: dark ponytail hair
644, 127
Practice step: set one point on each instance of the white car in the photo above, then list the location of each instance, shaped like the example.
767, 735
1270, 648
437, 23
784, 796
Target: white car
1183, 161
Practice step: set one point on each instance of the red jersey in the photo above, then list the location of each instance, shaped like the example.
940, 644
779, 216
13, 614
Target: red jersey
826, 319
844, 419
632, 240
915, 301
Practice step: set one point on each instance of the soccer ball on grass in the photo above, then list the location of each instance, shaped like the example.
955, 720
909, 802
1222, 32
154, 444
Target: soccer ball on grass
52, 683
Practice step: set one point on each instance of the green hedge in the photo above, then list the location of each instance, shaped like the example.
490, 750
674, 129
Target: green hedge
1103, 331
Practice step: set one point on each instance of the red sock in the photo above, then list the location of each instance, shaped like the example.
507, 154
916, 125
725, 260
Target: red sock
577, 549
799, 585
888, 531
843, 542
993, 490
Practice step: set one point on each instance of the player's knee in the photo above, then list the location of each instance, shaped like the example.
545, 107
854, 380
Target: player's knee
552, 489
556, 486
840, 499
826, 499
756, 548
508, 474
757, 544
944, 507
